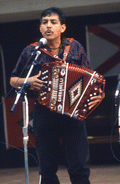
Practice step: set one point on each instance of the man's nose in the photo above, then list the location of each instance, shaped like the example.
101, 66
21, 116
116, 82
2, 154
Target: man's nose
49, 24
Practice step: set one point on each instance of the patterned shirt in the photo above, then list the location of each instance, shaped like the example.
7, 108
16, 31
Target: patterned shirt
76, 55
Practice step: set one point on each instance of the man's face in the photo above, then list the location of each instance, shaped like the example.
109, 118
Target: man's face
51, 27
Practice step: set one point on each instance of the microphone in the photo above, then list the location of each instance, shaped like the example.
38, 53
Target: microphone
42, 42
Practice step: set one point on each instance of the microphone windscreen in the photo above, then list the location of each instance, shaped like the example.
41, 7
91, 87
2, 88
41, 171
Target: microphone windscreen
43, 40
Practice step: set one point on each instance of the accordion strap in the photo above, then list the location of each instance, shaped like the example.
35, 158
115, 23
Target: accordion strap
65, 54
67, 49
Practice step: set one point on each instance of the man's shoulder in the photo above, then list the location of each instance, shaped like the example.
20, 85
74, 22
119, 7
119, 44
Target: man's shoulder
75, 44
73, 41
34, 44
30, 47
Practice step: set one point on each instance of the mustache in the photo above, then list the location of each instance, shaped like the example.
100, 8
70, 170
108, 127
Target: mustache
48, 31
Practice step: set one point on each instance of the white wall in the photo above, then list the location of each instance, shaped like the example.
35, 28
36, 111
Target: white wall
17, 10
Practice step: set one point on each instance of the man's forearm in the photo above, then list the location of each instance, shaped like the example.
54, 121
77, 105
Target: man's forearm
16, 81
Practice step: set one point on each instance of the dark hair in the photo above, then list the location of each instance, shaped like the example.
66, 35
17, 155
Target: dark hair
53, 10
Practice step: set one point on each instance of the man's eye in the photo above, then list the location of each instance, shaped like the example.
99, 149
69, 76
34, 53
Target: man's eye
44, 22
54, 22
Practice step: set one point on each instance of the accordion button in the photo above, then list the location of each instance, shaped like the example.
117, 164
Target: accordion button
43, 78
42, 94
95, 88
43, 98
44, 72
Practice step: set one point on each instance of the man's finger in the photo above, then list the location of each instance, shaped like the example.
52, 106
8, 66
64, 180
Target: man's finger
38, 75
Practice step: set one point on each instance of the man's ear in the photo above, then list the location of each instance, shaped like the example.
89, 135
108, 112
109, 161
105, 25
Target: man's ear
63, 28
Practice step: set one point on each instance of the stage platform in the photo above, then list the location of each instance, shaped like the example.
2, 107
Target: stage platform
100, 174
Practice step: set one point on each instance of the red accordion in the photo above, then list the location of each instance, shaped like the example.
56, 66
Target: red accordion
69, 88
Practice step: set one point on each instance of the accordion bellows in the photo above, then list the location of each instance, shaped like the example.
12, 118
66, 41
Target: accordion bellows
69, 87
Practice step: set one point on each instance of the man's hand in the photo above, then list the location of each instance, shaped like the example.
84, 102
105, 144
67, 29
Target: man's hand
95, 99
36, 84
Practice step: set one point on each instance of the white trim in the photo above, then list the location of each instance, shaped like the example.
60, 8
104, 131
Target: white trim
65, 87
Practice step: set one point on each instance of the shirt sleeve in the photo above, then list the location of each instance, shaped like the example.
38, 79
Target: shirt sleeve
23, 63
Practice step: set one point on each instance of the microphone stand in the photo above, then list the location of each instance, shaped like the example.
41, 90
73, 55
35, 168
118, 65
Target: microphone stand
119, 116
117, 95
21, 93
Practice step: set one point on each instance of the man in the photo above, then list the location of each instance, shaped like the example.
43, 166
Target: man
49, 126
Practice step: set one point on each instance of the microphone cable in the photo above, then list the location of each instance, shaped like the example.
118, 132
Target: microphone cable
111, 147
19, 149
